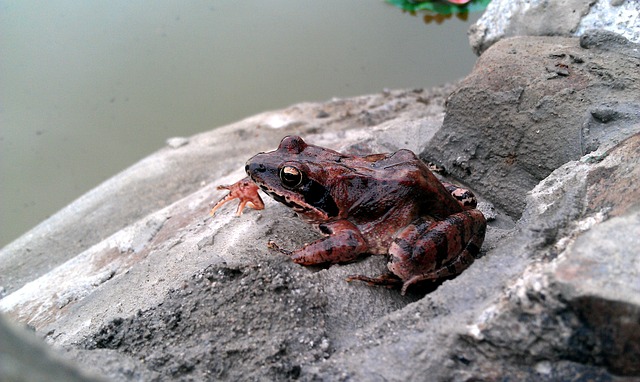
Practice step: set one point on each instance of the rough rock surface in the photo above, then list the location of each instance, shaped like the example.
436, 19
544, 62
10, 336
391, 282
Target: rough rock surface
569, 18
583, 93
577, 305
169, 293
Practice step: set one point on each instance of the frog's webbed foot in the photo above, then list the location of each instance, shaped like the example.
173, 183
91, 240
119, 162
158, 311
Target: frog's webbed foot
244, 190
388, 280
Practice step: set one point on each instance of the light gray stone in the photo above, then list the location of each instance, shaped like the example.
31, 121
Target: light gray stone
508, 18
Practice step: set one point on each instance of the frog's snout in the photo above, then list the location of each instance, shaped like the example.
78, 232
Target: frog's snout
253, 168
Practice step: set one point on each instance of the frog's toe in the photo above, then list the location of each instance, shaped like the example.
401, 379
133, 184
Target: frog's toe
408, 283
272, 245
388, 280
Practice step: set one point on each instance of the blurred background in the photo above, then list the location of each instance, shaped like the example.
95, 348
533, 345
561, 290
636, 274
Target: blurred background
87, 88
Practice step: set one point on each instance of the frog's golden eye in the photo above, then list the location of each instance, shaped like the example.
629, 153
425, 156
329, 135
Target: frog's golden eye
290, 176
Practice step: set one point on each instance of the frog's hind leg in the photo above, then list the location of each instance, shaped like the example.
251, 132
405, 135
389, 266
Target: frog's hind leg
431, 250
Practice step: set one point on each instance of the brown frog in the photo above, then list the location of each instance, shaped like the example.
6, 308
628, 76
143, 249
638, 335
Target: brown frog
385, 204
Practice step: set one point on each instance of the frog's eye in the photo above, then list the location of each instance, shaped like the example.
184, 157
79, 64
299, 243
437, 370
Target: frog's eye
290, 176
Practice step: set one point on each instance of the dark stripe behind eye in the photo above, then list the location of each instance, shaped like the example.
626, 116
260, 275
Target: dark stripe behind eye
319, 197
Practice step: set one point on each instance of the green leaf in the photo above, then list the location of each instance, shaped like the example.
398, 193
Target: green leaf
441, 7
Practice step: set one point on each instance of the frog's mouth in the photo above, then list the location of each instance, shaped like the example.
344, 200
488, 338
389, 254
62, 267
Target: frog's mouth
291, 204
305, 210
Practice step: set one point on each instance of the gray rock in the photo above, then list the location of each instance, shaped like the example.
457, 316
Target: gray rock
508, 18
621, 17
582, 92
576, 308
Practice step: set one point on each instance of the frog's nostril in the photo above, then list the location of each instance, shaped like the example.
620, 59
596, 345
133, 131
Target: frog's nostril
252, 168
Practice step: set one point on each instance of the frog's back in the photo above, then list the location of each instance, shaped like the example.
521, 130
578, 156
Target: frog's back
406, 169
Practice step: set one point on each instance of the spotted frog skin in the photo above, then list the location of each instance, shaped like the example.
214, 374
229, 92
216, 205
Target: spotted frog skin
383, 204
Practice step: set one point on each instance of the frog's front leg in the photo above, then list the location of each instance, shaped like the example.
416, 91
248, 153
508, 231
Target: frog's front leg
344, 243
246, 191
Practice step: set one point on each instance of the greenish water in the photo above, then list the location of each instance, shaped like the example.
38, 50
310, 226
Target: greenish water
89, 87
